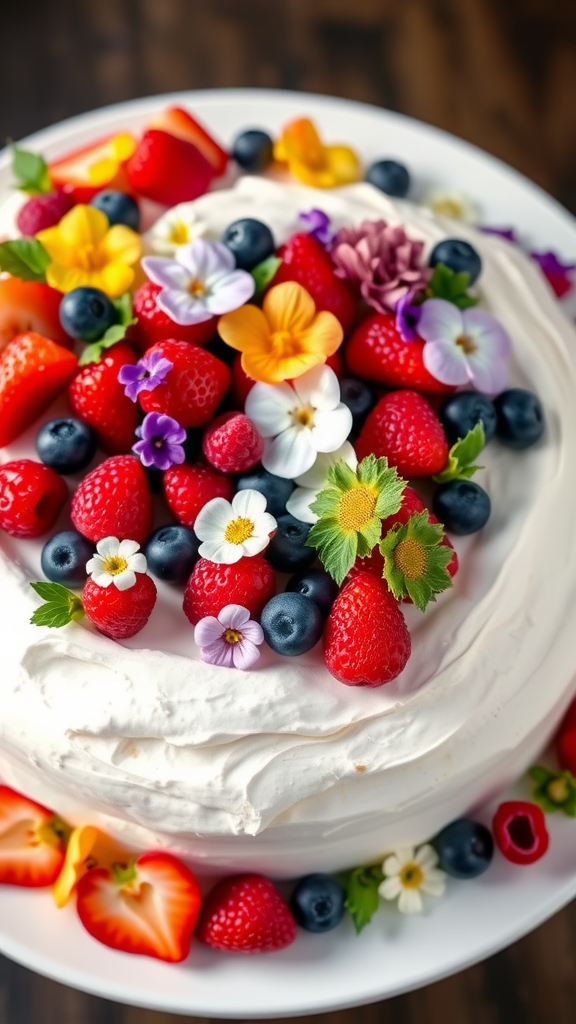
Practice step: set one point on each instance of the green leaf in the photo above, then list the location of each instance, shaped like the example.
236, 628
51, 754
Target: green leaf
341, 475
61, 605
25, 258
554, 790
263, 273
362, 897
451, 286
337, 551
116, 332
460, 465
31, 171
423, 553
123, 307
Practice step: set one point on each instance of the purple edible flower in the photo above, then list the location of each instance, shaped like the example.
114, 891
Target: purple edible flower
161, 441
145, 375
317, 224
408, 317
464, 346
231, 640
558, 274
508, 233
382, 261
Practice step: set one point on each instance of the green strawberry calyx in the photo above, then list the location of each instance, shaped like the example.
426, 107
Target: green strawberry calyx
416, 560
117, 332
60, 606
462, 455
553, 790
452, 286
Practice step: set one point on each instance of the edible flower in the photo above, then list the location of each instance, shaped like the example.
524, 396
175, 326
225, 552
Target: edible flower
407, 318
554, 790
161, 441
76, 861
408, 873
309, 484
231, 640
233, 530
558, 274
85, 251
145, 375
416, 559
285, 338
313, 163
177, 227
298, 420
455, 205
199, 282
382, 261
116, 562
464, 346
317, 224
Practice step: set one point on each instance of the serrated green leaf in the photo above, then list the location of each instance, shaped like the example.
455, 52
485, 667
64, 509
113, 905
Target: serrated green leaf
362, 896
25, 258
336, 550
61, 607
434, 576
263, 273
52, 591
31, 171
326, 502
93, 353
451, 286
341, 475
465, 301
461, 456
370, 534
123, 307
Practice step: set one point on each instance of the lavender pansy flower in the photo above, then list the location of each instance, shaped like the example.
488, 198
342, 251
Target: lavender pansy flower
407, 318
161, 441
464, 346
317, 224
145, 375
231, 640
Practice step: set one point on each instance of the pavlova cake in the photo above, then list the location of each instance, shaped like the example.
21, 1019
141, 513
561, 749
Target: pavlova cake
285, 535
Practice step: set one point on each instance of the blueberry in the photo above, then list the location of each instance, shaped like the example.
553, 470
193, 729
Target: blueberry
390, 177
462, 505
292, 624
66, 445
64, 558
465, 848
317, 903
276, 489
250, 240
287, 551
520, 418
317, 586
461, 412
459, 256
172, 553
86, 313
252, 149
119, 208
359, 398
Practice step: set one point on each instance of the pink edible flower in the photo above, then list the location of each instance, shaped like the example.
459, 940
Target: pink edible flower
230, 640
382, 261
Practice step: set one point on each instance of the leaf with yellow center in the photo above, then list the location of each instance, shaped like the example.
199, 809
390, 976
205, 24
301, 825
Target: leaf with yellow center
416, 560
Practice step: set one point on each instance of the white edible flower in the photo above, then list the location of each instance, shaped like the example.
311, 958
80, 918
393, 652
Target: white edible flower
232, 530
309, 485
178, 226
455, 205
116, 562
408, 873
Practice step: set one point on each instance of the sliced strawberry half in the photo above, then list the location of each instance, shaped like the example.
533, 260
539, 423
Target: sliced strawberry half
167, 169
149, 906
88, 170
32, 846
30, 306
177, 121
33, 371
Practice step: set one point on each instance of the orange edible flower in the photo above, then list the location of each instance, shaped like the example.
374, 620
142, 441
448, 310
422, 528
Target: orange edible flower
87, 848
311, 161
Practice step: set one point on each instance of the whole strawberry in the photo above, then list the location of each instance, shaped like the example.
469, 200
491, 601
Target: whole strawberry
246, 914
305, 261
250, 582
377, 352
114, 500
155, 325
120, 614
232, 443
190, 486
98, 399
31, 497
193, 389
404, 427
366, 641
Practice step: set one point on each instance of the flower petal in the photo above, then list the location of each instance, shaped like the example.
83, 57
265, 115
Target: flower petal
121, 244
390, 888
218, 653
125, 580
207, 631
318, 387
138, 563
289, 454
245, 329
126, 548
182, 307
213, 518
434, 883
316, 476
255, 544
324, 335
65, 278
269, 407
203, 259
245, 654
298, 504
410, 902
426, 857
289, 307
253, 631
331, 429
108, 547
233, 616
249, 504
220, 551
114, 279
103, 579
446, 361
231, 291
440, 321
83, 226
267, 367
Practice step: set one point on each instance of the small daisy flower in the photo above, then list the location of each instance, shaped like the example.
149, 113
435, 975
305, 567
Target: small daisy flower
464, 346
309, 485
408, 873
145, 375
177, 227
230, 640
116, 562
455, 205
233, 530
161, 441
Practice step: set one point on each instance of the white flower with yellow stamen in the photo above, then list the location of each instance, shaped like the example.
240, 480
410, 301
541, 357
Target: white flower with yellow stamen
408, 873
455, 205
230, 531
178, 226
116, 562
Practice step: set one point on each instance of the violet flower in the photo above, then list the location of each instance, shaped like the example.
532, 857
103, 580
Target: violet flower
231, 640
507, 233
557, 273
382, 261
317, 224
145, 375
161, 441
464, 346
407, 318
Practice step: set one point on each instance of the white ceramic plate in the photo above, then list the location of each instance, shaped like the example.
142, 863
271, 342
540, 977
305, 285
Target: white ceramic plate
475, 919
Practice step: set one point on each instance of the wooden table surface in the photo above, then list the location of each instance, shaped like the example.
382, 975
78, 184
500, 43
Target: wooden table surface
500, 73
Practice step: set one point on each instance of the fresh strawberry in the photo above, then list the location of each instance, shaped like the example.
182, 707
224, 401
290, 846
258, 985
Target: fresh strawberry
30, 306
31, 497
193, 389
242, 384
189, 487
168, 170
149, 906
180, 123
43, 211
250, 582
376, 352
246, 914
232, 443
120, 614
114, 500
32, 844
566, 741
33, 370
366, 642
335, 363
97, 398
88, 170
404, 427
306, 261
154, 325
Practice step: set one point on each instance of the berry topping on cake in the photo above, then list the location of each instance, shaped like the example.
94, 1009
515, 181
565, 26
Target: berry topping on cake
250, 582
43, 211
289, 550
232, 443
465, 848
119, 207
378, 352
317, 585
31, 497
252, 150
168, 170
566, 741
33, 371
86, 313
318, 903
189, 487
250, 242
462, 506
179, 122
520, 831
65, 556
460, 413
305, 261
292, 624
520, 418
193, 389
246, 914
459, 256
389, 176
66, 445
404, 428
98, 398
276, 489
32, 842
114, 501
30, 306
120, 614
172, 552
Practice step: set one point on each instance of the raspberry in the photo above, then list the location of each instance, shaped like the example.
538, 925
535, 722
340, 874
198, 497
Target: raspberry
192, 389
232, 443
212, 585
189, 487
98, 399
246, 914
154, 325
31, 497
376, 352
404, 427
114, 501
120, 614
43, 211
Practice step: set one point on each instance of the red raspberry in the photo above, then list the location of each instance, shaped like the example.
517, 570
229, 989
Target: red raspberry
31, 497
246, 914
189, 487
404, 427
98, 399
120, 614
366, 642
250, 582
376, 352
306, 261
43, 211
154, 325
114, 500
232, 443
193, 389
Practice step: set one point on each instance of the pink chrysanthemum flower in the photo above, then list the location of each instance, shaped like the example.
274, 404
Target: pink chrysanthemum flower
382, 261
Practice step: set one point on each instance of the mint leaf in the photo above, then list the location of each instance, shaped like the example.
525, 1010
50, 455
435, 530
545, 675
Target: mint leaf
31, 171
61, 605
451, 286
362, 897
460, 465
123, 306
115, 333
263, 273
25, 258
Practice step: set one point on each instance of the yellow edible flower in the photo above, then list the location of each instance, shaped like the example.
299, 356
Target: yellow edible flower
311, 161
284, 338
85, 250
87, 849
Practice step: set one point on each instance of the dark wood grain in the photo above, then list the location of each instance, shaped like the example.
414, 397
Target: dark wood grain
500, 73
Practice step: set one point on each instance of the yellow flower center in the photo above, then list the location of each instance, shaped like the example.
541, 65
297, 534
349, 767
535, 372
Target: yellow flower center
466, 344
196, 287
232, 636
284, 344
356, 508
410, 558
304, 416
238, 530
448, 208
89, 258
558, 791
411, 876
114, 565
179, 234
